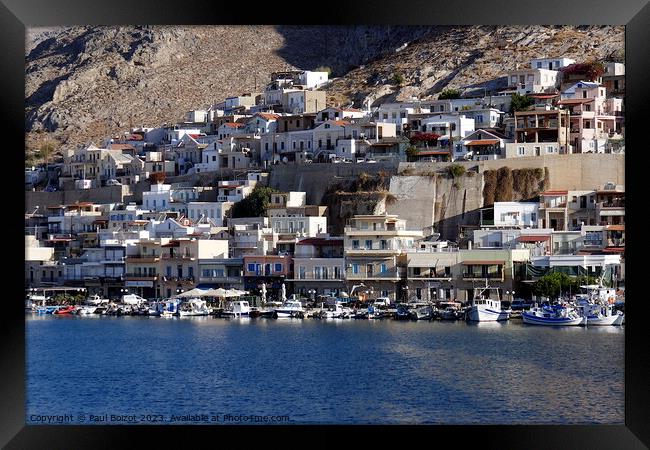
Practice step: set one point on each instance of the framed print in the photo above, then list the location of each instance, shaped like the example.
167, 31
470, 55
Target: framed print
380, 219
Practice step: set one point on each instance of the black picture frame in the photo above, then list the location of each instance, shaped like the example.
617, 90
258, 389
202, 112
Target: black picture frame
16, 15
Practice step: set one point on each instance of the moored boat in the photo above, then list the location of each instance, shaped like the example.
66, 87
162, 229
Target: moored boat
484, 308
289, 309
556, 315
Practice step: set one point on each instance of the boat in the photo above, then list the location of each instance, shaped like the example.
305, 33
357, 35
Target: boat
155, 309
96, 300
402, 312
556, 315
425, 312
335, 311
34, 301
193, 307
170, 308
86, 309
486, 309
49, 309
290, 308
450, 313
598, 306
238, 308
69, 309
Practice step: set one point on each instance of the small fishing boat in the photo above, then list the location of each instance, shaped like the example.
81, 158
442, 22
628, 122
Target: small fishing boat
402, 313
193, 307
556, 315
238, 308
335, 311
70, 309
485, 308
425, 312
289, 309
86, 309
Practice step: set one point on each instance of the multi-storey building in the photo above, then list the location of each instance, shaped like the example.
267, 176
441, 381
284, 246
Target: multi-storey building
375, 248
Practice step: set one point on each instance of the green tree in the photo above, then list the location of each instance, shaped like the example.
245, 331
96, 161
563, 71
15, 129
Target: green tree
255, 204
520, 102
398, 78
450, 93
45, 152
552, 285
412, 153
456, 170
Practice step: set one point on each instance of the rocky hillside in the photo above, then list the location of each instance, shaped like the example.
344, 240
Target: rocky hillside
84, 83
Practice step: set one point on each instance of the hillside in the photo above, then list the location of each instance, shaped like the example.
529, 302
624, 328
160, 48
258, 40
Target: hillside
85, 83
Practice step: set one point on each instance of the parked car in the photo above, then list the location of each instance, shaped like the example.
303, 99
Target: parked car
113, 183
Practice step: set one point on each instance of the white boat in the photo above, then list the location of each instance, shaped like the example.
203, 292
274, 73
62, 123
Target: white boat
290, 308
155, 309
486, 309
86, 309
598, 306
335, 311
193, 307
238, 308
553, 316
96, 300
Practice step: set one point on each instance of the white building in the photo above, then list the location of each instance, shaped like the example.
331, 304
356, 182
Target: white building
516, 214
158, 198
551, 63
313, 79
532, 81
212, 211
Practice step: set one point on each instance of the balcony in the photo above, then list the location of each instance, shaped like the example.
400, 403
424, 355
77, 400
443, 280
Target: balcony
134, 259
140, 277
184, 257
224, 279
472, 276
388, 275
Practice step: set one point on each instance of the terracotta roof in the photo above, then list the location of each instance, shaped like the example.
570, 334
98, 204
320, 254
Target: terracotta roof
575, 101
482, 142
433, 152
554, 193
233, 125
121, 147
268, 116
136, 137
341, 123
534, 238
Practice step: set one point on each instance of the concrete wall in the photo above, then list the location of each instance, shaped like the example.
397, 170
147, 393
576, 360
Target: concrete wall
315, 178
415, 200
571, 172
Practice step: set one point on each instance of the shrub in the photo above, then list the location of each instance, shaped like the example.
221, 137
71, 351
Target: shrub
504, 183
489, 187
449, 94
520, 102
255, 204
456, 170
411, 154
398, 78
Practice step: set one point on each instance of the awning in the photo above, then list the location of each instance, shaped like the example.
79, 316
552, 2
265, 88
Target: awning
482, 142
614, 250
481, 263
433, 152
615, 228
534, 238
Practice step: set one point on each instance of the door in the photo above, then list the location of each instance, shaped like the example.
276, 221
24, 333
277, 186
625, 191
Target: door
369, 270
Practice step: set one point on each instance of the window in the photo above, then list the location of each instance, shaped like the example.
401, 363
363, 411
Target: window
416, 271
369, 244
355, 269
325, 273
278, 267
301, 272
317, 273
355, 244
337, 273
418, 293
549, 149
521, 151
539, 64
251, 267
383, 268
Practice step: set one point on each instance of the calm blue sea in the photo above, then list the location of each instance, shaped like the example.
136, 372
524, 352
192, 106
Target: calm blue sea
205, 370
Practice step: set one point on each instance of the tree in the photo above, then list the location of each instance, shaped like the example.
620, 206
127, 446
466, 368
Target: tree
412, 153
255, 204
447, 94
45, 152
398, 78
552, 285
456, 170
520, 102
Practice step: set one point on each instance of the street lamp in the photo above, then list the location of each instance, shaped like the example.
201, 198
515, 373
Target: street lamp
311, 293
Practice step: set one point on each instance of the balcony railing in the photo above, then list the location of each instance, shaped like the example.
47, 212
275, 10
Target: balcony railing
184, 257
140, 277
142, 258
483, 275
